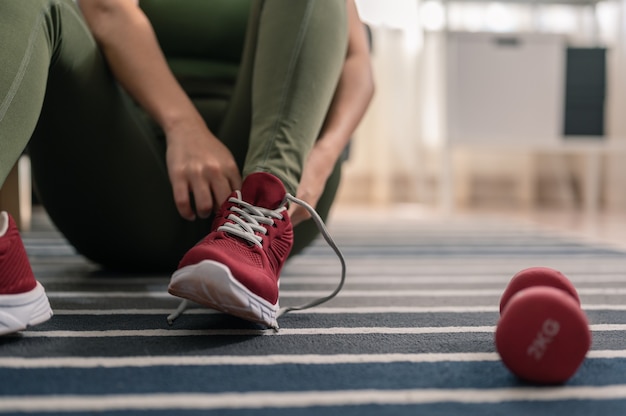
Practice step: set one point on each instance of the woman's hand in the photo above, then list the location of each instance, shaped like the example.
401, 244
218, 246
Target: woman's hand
199, 165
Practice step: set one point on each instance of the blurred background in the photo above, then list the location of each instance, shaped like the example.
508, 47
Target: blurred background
480, 106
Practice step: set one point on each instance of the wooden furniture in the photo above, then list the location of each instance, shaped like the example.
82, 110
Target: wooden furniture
592, 149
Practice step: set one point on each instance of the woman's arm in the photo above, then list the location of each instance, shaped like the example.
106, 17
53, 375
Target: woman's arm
352, 97
198, 163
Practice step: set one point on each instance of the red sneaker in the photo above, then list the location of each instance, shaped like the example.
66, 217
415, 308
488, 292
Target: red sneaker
23, 301
235, 269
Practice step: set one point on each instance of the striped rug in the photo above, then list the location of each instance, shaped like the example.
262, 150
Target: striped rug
410, 334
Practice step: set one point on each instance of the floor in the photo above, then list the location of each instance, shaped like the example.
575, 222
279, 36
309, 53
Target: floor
606, 227
411, 333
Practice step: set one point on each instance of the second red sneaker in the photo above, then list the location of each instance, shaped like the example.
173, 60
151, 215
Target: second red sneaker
235, 269
23, 301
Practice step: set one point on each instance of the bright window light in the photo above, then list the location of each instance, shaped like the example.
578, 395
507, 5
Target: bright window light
432, 15
559, 19
608, 14
399, 14
472, 18
500, 18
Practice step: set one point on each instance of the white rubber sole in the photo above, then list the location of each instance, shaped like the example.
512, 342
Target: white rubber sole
18, 312
211, 284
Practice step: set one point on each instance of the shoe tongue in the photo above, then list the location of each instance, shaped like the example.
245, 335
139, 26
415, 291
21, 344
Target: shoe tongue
263, 190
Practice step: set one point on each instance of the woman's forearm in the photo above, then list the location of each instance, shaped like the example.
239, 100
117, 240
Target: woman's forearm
131, 48
352, 97
198, 164
354, 90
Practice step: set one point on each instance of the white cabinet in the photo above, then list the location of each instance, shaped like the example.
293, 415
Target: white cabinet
504, 88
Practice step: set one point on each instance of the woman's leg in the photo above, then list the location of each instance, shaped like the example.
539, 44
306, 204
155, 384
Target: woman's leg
98, 167
292, 60
25, 55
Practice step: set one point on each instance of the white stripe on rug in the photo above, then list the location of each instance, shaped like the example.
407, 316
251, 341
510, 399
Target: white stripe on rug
267, 360
606, 291
374, 310
285, 331
272, 399
380, 279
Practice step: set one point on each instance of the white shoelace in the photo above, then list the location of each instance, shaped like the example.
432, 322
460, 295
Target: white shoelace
329, 240
248, 219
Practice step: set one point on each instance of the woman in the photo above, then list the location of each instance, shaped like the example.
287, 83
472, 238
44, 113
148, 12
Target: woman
134, 173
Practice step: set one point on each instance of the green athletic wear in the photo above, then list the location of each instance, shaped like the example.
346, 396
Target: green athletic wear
98, 160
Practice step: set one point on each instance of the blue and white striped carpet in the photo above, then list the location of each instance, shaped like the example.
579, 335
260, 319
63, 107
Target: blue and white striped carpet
410, 334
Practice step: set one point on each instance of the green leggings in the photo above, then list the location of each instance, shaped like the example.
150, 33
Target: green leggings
99, 162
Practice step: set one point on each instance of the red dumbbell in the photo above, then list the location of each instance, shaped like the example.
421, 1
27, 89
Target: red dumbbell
543, 334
